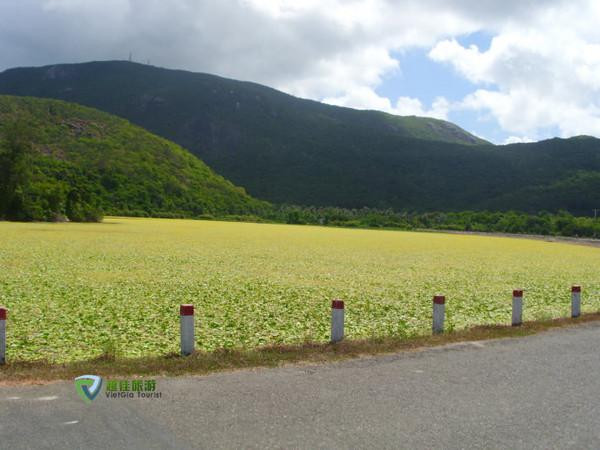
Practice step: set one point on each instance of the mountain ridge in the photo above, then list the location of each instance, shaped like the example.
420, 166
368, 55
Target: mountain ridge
296, 151
447, 131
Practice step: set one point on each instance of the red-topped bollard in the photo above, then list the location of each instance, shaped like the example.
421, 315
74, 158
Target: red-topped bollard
575, 301
3, 314
439, 314
186, 323
517, 307
337, 320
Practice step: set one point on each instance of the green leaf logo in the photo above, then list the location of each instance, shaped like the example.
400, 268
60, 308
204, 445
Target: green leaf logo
88, 387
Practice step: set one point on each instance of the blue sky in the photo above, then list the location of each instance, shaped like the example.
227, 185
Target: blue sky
422, 78
425, 79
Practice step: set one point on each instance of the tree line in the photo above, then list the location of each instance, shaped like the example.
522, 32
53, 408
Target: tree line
560, 223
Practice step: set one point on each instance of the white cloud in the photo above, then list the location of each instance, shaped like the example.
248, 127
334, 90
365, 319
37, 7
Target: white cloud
366, 98
541, 71
408, 106
313, 48
517, 139
542, 75
361, 98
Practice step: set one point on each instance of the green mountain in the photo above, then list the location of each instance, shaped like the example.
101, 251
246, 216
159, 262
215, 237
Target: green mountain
289, 150
77, 158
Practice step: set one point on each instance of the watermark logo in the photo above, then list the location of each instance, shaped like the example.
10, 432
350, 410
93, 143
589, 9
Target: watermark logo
88, 387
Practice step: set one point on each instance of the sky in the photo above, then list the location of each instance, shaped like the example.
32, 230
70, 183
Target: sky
507, 71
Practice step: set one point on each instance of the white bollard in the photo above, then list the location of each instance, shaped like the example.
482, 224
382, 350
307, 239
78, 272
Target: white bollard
186, 322
337, 321
517, 307
575, 301
3, 314
439, 313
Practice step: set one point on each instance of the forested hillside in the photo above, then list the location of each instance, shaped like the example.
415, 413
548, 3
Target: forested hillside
289, 150
60, 160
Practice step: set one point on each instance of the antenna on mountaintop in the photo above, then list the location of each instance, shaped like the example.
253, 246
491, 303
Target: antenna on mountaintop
130, 56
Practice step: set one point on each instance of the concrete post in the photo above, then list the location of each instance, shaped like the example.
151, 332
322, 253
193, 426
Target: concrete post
439, 313
575, 301
337, 321
517, 307
186, 323
3, 314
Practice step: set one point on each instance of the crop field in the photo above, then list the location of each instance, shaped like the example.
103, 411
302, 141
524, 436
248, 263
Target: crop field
75, 290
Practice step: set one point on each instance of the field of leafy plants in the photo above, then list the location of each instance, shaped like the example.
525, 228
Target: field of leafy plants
75, 291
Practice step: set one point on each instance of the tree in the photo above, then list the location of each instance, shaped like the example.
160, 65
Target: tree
15, 171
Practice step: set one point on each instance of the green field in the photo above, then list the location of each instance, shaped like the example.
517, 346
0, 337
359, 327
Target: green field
76, 290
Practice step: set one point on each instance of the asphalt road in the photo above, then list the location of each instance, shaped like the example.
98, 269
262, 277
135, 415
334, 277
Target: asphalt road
541, 391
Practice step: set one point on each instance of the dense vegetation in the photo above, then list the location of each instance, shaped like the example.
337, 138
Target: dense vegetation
60, 160
545, 223
289, 150
27, 192
80, 291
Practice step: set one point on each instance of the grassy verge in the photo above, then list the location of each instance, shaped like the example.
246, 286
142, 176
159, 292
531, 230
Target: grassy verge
201, 363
